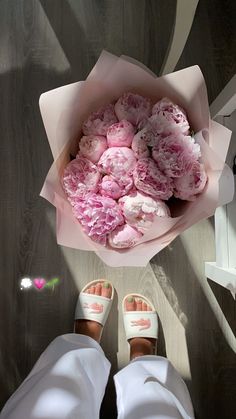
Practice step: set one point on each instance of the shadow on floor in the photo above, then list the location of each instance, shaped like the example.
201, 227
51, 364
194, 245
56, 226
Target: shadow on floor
212, 361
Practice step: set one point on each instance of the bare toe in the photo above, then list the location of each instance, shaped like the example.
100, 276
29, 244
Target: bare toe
139, 346
92, 289
98, 288
93, 328
130, 304
144, 306
106, 290
139, 305
87, 291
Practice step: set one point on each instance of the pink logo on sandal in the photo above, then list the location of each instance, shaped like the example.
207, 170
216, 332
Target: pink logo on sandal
144, 323
94, 307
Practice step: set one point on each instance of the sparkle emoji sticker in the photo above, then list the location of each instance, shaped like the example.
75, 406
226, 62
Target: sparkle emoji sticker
38, 283
25, 283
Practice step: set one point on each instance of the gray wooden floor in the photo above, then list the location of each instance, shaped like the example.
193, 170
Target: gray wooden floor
48, 43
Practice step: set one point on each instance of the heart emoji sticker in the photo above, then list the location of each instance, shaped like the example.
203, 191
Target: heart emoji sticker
39, 283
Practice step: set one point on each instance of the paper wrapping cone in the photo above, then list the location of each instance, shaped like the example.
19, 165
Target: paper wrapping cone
63, 111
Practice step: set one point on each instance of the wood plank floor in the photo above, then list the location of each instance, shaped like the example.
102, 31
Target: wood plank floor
45, 44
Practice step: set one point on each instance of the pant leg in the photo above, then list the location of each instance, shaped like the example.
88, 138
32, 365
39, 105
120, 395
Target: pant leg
150, 387
67, 382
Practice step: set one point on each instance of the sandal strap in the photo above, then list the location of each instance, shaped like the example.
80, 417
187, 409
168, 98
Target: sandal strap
140, 324
93, 307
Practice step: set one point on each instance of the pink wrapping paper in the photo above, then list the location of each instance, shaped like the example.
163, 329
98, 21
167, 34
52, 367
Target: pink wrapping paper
63, 111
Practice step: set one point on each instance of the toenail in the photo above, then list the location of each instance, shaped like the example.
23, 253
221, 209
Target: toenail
106, 285
130, 299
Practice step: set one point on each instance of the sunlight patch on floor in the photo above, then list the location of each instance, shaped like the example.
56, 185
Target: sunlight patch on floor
198, 269
173, 321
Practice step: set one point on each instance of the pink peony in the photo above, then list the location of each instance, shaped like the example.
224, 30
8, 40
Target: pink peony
92, 147
117, 161
80, 177
110, 187
155, 128
124, 236
115, 187
174, 114
120, 134
127, 183
139, 210
150, 180
99, 121
134, 108
98, 216
142, 123
176, 154
140, 146
192, 183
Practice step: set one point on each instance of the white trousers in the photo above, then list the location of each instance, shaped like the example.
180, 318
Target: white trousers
69, 379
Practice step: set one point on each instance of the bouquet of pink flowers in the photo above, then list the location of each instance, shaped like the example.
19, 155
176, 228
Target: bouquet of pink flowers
133, 157
147, 161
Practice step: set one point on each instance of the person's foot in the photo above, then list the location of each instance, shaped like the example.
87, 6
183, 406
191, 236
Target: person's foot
139, 346
89, 327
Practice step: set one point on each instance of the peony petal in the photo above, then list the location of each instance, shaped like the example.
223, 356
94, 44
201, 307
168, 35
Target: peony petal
120, 134
134, 108
176, 154
99, 121
92, 147
173, 114
192, 183
124, 237
117, 161
150, 180
139, 210
80, 177
98, 215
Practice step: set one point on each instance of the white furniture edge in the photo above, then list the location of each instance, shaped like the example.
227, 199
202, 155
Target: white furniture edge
220, 271
222, 276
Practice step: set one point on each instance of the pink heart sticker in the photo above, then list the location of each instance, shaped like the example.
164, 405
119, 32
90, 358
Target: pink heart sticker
39, 283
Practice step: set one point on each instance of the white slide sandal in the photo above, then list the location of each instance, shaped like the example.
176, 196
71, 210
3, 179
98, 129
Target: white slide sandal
140, 323
94, 307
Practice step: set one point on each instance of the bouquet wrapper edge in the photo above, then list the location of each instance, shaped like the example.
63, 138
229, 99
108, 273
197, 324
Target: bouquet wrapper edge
62, 111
